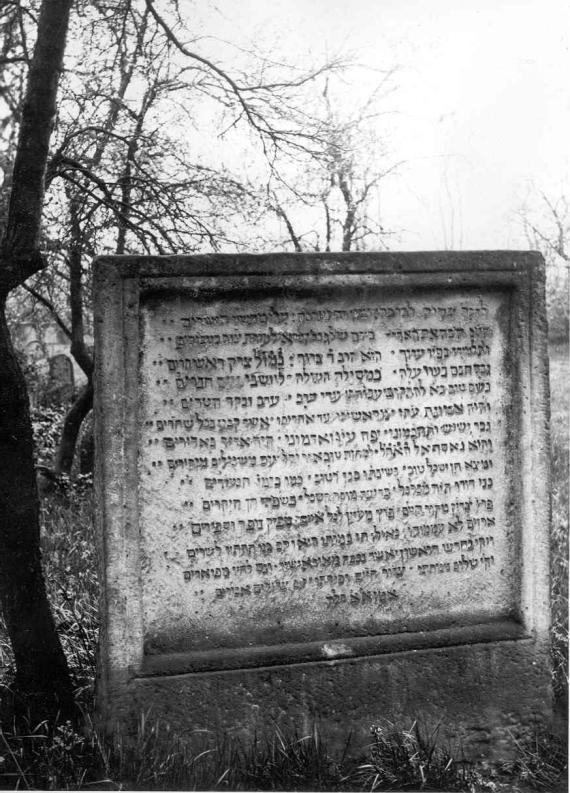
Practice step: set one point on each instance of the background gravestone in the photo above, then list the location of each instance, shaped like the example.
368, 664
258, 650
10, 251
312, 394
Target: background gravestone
323, 486
61, 381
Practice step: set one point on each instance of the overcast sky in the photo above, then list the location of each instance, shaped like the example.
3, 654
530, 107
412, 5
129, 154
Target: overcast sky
480, 113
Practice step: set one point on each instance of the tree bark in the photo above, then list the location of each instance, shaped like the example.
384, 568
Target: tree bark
71, 426
42, 687
20, 244
78, 347
84, 401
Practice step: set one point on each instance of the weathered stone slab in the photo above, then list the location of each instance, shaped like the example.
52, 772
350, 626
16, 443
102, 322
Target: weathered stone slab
310, 469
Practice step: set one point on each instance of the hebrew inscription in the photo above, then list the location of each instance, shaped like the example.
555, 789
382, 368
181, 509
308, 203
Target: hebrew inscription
316, 468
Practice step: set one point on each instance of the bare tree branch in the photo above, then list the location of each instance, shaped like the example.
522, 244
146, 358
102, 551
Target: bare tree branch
50, 306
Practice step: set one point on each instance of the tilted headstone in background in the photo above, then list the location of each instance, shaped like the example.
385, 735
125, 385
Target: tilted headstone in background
323, 487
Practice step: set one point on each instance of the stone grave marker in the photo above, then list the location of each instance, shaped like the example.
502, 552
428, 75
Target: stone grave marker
61, 382
323, 488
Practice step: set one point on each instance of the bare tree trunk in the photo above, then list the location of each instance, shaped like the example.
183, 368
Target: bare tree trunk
78, 347
71, 427
42, 686
84, 401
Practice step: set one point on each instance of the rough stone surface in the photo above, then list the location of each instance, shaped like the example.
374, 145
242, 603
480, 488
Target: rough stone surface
323, 485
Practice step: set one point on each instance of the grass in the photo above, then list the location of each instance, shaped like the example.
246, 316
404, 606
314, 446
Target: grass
538, 762
397, 760
404, 757
68, 548
415, 759
154, 760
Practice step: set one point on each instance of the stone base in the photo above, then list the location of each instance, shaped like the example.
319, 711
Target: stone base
503, 692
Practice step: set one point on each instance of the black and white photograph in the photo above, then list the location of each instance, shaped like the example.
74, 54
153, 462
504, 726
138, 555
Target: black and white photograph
284, 395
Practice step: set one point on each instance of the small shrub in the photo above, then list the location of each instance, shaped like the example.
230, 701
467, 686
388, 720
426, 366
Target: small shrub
47, 422
57, 760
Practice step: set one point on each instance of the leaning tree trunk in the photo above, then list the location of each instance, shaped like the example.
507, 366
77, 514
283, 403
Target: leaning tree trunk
42, 685
41, 688
84, 401
71, 427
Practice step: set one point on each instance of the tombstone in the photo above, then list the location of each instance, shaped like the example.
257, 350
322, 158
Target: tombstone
60, 378
323, 488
